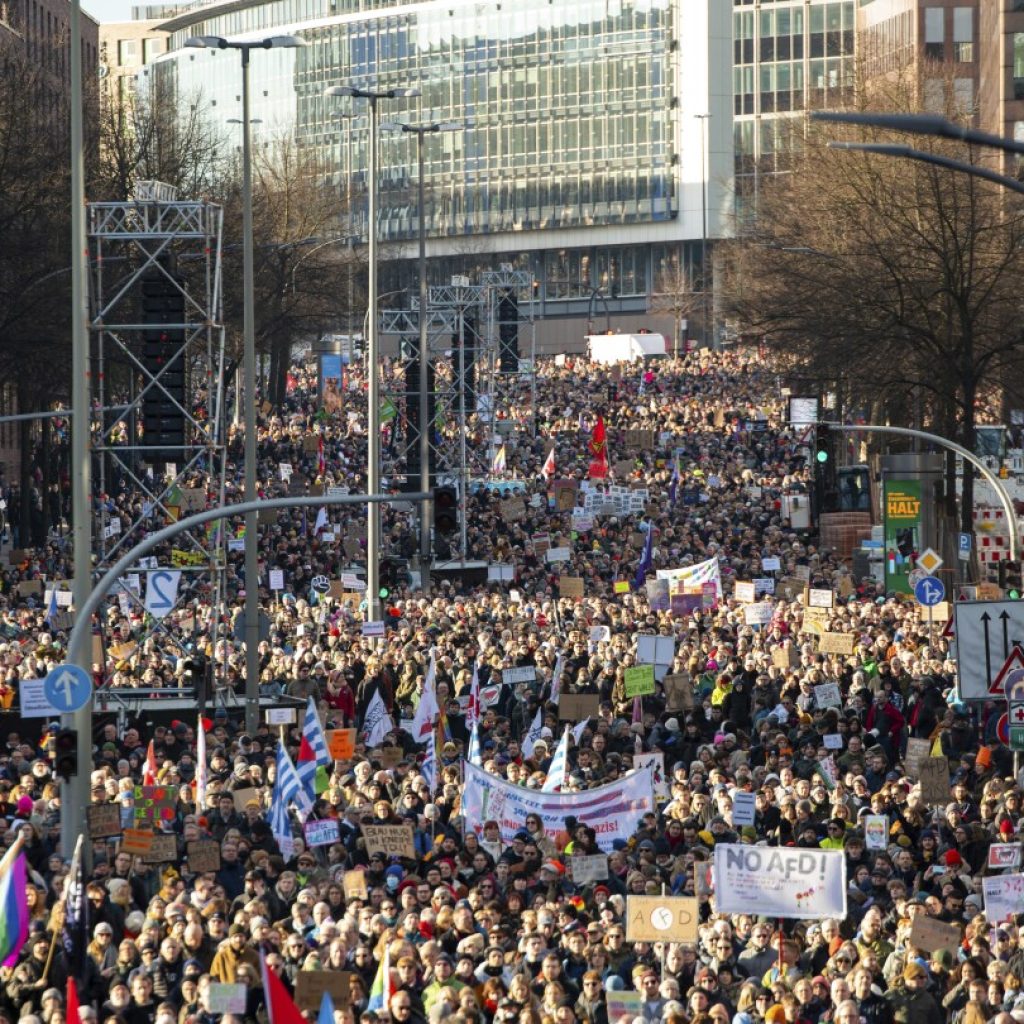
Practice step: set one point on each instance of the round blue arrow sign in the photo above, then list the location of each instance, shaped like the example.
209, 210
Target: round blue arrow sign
929, 591
68, 688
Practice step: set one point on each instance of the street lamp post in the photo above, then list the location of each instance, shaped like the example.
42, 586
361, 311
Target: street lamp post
703, 118
252, 582
373, 532
421, 131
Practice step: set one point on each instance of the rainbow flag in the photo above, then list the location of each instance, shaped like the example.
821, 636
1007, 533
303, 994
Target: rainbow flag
380, 991
13, 905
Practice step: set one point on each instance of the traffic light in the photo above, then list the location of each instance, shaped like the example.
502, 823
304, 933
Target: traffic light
163, 340
822, 445
1011, 579
65, 754
445, 505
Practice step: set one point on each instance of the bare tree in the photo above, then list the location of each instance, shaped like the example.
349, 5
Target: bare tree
674, 295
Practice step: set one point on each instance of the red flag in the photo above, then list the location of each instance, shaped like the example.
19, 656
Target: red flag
149, 769
71, 1016
598, 447
548, 469
280, 1007
321, 464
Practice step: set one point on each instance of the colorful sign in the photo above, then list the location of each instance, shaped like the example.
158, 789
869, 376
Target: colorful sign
902, 505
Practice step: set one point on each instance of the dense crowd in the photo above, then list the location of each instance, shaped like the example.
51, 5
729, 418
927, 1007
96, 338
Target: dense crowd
483, 927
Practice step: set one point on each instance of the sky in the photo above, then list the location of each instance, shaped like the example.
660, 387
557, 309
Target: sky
111, 10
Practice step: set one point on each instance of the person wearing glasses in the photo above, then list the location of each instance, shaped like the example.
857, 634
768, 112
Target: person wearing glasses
591, 1005
401, 1009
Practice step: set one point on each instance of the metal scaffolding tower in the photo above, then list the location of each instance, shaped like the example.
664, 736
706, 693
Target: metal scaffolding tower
162, 374
472, 391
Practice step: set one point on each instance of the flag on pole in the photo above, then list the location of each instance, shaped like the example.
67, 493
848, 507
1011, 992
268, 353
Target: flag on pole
326, 1014
599, 450
499, 462
72, 1002
51, 610
577, 733
149, 769
288, 787
14, 914
556, 678
427, 711
473, 707
429, 767
313, 752
201, 767
532, 734
321, 521
75, 932
646, 560
473, 754
380, 991
321, 462
281, 1008
548, 469
556, 771
377, 723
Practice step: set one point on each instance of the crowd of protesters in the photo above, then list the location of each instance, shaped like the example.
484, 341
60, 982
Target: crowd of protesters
481, 929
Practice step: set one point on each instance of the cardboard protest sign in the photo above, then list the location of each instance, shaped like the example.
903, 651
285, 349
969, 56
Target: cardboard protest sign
678, 689
104, 820
930, 934
244, 796
354, 884
917, 750
391, 840
934, 772
203, 856
136, 841
661, 919
155, 803
163, 850
310, 987
570, 586
836, 643
341, 744
575, 707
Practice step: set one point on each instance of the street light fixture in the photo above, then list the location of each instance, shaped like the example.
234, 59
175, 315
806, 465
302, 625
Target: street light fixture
373, 532
920, 124
421, 131
252, 583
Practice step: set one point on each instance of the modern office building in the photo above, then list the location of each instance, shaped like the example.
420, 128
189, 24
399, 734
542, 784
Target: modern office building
789, 57
125, 47
1001, 74
583, 155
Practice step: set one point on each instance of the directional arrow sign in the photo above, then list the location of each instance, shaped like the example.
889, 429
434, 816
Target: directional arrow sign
929, 591
986, 632
68, 688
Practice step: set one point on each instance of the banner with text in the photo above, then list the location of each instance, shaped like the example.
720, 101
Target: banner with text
612, 811
793, 883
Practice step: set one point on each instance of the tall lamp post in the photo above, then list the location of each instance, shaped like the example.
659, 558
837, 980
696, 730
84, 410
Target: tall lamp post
421, 131
252, 582
373, 532
703, 118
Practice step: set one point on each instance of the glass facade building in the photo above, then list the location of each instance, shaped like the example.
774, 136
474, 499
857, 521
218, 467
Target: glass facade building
578, 153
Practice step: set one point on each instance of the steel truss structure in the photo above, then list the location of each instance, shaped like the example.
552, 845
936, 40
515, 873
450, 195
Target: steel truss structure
469, 392
158, 236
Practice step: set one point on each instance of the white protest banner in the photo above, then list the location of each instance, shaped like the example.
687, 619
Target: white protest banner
162, 591
321, 831
276, 579
828, 695
832, 741
770, 563
585, 869
1004, 855
560, 554
612, 810
230, 998
743, 809
1004, 896
523, 674
876, 831
690, 577
656, 763
804, 884
759, 614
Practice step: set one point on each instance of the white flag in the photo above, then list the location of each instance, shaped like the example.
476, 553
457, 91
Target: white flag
377, 723
427, 711
577, 733
556, 679
321, 521
532, 734
201, 767
556, 771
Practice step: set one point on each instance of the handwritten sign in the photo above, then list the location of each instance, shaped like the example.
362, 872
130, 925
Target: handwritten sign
321, 832
104, 820
570, 586
744, 592
163, 850
203, 856
930, 934
354, 884
155, 803
310, 987
229, 998
391, 840
934, 772
137, 841
639, 680
585, 869
836, 643
576, 707
341, 744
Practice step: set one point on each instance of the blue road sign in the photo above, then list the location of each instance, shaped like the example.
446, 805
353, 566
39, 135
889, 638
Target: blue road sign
964, 546
929, 591
68, 688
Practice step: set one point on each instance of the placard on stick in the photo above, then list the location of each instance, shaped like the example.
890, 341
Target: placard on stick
836, 643
203, 856
639, 680
575, 707
934, 772
341, 744
678, 691
930, 934
104, 820
391, 840
570, 586
310, 987
661, 919
354, 884
163, 850
137, 841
